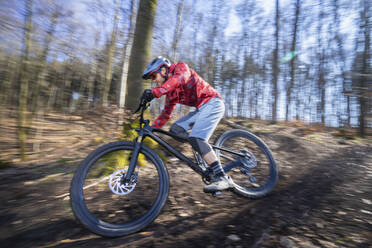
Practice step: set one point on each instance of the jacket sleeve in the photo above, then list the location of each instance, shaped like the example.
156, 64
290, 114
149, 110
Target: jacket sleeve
181, 74
165, 114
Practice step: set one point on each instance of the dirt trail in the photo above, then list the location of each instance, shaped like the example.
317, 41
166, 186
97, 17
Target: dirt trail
323, 199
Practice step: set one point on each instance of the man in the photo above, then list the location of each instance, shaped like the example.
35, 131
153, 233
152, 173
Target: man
183, 85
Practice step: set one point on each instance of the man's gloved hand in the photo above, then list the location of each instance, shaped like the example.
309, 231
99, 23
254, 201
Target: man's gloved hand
147, 95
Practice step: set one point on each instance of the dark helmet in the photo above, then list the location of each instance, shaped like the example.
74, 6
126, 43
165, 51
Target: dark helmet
155, 65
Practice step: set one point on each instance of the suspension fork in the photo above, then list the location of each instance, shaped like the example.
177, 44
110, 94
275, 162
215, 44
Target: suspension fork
133, 160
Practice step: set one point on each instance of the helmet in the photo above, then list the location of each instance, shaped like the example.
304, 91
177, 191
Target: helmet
155, 65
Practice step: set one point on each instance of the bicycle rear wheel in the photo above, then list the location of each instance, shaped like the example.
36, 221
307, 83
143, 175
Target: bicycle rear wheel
255, 174
106, 205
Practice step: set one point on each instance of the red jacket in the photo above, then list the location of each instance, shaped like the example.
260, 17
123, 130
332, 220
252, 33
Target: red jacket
183, 86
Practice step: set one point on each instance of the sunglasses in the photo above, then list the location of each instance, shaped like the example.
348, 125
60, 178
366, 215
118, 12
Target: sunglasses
153, 76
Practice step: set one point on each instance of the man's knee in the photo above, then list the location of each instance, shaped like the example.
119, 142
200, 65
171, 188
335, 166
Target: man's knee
199, 145
179, 131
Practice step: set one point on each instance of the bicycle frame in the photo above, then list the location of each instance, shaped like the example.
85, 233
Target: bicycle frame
146, 130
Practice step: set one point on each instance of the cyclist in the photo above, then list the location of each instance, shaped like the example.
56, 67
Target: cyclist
183, 85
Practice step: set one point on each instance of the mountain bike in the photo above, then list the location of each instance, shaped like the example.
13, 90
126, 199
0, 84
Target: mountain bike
121, 187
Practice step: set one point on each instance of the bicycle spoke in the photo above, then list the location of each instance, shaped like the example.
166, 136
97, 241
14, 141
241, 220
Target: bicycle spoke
253, 171
102, 201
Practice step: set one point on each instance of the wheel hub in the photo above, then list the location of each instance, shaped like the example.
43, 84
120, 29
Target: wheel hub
117, 184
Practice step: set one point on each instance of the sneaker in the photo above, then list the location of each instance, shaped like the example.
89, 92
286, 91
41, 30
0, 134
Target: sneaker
221, 183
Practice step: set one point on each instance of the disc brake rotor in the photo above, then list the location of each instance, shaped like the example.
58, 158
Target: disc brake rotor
118, 187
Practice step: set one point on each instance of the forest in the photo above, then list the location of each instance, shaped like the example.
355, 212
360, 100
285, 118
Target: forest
293, 60
295, 75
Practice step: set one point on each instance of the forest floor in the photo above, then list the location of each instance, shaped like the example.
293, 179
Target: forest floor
323, 197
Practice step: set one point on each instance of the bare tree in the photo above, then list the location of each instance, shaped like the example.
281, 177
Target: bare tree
42, 60
362, 65
275, 65
177, 31
321, 64
210, 54
110, 54
141, 51
292, 61
127, 52
24, 79
93, 71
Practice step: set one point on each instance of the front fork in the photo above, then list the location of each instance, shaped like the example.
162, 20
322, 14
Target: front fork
133, 161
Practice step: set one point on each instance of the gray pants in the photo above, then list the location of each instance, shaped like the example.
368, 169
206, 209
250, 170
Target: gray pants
204, 120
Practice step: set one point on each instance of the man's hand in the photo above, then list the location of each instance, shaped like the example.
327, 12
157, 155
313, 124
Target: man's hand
147, 95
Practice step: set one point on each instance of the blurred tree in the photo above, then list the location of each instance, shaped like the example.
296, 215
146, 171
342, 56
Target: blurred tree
177, 31
292, 61
248, 12
40, 64
321, 63
362, 67
230, 76
211, 55
341, 59
275, 65
92, 72
24, 79
110, 46
127, 53
141, 51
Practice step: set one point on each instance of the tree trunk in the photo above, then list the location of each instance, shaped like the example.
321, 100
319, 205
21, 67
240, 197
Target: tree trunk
210, 56
321, 72
363, 95
127, 52
341, 58
41, 63
292, 62
93, 73
110, 55
141, 52
196, 24
177, 32
24, 80
275, 64
176, 37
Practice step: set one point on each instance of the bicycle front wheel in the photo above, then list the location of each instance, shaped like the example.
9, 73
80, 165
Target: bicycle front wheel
107, 205
255, 174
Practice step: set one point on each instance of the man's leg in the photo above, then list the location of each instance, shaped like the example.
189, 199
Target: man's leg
179, 132
182, 125
205, 150
209, 117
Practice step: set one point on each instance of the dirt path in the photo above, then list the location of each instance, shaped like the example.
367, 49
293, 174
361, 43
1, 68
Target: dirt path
323, 199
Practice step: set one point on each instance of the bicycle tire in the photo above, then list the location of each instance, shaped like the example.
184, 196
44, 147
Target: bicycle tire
103, 228
272, 174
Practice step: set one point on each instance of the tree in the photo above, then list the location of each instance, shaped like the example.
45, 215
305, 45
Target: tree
361, 67
210, 54
177, 31
127, 52
292, 61
41, 63
341, 58
141, 51
321, 64
275, 64
110, 55
24, 79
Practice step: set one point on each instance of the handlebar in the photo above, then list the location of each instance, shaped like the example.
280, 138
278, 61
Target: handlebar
142, 107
